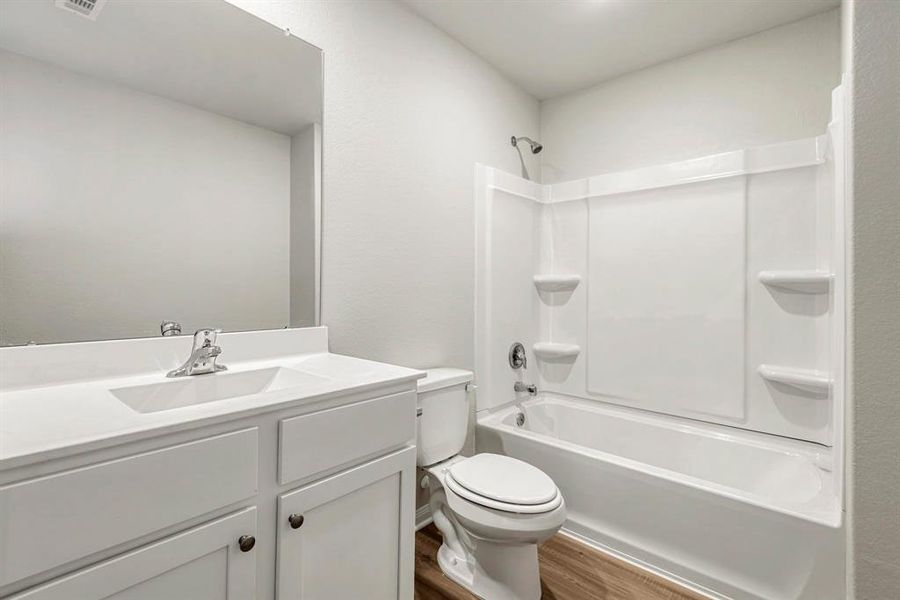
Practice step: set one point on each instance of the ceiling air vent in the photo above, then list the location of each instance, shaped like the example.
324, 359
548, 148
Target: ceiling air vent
85, 8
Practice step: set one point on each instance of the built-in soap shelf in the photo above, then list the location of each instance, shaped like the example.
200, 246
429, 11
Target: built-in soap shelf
806, 282
556, 283
806, 380
555, 352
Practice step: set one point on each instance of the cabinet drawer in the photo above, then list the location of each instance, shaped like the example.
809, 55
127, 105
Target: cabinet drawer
49, 521
311, 444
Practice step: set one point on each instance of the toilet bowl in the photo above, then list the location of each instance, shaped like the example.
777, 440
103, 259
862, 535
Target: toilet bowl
492, 510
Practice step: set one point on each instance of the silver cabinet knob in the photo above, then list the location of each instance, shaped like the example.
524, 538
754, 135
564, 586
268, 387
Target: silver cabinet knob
295, 520
246, 543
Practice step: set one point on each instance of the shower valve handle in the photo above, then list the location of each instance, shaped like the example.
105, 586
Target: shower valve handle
517, 358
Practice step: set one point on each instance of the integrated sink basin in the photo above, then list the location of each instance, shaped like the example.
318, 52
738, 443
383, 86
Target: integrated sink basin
200, 389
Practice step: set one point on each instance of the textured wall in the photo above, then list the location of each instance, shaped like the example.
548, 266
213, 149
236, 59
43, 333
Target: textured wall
408, 112
875, 517
770, 87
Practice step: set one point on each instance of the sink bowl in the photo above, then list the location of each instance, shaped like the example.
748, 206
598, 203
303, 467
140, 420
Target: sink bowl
200, 389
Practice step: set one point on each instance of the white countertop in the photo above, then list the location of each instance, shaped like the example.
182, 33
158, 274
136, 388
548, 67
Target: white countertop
46, 422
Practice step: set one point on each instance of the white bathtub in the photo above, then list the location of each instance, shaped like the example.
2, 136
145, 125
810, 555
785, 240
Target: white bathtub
734, 514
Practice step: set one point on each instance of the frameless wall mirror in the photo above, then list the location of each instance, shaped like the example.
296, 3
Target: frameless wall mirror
158, 161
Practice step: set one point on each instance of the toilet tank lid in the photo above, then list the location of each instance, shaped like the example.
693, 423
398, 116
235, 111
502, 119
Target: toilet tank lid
442, 377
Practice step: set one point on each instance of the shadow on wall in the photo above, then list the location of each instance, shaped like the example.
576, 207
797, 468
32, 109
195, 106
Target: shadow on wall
800, 304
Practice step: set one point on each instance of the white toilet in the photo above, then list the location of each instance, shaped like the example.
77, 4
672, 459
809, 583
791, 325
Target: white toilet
491, 510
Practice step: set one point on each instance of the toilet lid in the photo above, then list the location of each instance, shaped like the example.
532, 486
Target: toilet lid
504, 479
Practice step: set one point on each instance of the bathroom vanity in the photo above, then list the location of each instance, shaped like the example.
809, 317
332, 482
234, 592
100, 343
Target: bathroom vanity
289, 475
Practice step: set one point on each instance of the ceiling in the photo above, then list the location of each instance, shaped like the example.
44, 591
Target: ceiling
553, 47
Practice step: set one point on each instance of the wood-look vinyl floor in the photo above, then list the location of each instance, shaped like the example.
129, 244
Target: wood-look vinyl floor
569, 571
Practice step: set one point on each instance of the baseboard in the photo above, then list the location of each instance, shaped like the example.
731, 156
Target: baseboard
697, 589
423, 516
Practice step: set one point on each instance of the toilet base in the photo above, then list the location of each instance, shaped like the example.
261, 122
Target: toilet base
495, 571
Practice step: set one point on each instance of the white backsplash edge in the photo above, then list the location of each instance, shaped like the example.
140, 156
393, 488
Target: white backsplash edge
56, 364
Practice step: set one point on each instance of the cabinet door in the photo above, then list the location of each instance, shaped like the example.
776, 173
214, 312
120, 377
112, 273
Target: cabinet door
203, 563
355, 539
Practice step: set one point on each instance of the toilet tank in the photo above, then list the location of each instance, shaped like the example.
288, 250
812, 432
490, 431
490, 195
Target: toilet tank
443, 414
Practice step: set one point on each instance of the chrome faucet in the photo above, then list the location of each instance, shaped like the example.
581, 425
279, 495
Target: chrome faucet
521, 386
203, 355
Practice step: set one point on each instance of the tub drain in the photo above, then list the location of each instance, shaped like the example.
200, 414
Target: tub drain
520, 419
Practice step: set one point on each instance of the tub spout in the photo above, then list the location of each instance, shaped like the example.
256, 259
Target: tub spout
523, 387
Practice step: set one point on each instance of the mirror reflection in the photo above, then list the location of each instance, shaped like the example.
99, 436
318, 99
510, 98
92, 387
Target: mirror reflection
159, 162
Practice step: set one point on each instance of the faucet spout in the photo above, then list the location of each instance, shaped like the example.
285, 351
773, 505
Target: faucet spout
521, 386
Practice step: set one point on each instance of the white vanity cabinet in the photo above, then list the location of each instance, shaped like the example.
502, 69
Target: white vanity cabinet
309, 500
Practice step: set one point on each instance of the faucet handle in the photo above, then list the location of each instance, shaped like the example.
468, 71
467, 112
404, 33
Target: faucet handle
517, 357
206, 336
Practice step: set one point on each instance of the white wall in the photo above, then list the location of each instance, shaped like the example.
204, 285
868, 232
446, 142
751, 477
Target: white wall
121, 209
875, 332
408, 112
766, 88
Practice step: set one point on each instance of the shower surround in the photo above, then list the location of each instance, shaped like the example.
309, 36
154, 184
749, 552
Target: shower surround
703, 300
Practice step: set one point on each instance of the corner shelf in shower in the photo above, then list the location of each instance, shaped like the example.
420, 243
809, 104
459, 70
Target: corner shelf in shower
806, 282
807, 380
553, 352
556, 283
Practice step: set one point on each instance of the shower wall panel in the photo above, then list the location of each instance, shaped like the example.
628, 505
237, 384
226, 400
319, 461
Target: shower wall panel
666, 298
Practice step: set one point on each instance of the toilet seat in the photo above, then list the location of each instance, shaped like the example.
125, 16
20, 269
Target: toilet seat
503, 483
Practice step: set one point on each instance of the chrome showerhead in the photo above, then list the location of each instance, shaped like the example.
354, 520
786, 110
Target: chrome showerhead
536, 147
